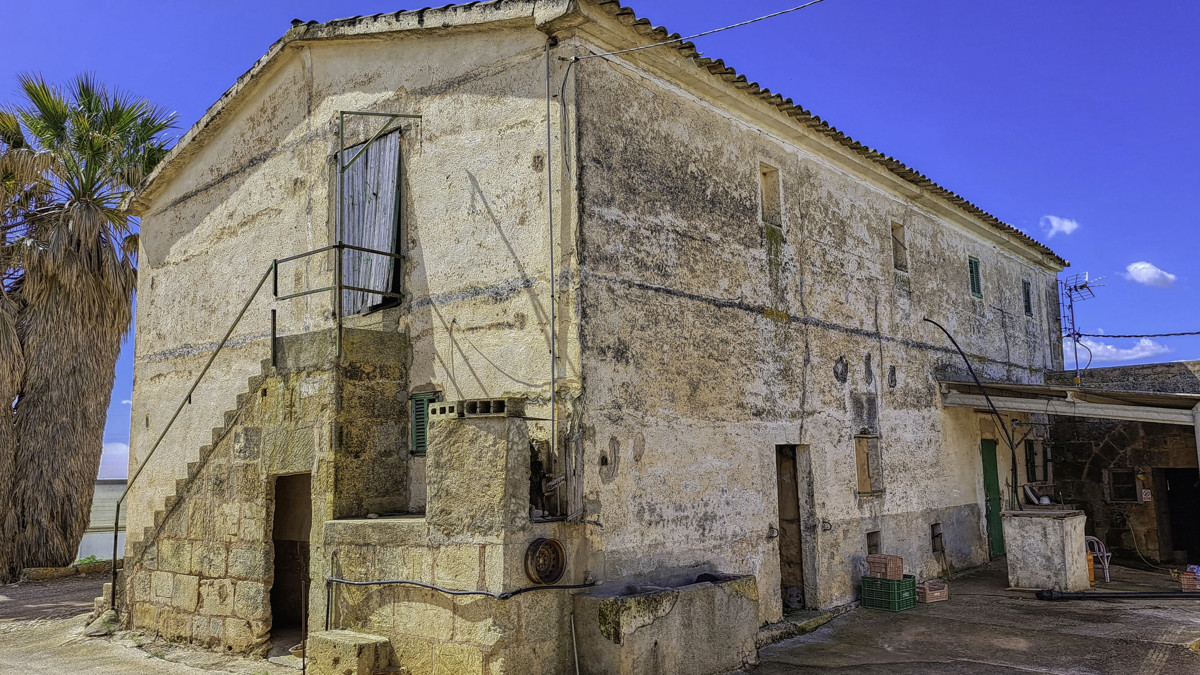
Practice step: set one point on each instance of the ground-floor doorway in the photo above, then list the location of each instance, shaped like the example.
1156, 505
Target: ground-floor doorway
993, 500
290, 536
1182, 504
791, 543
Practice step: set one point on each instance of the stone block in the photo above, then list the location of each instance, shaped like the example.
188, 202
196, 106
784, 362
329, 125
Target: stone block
140, 587
1046, 549
145, 616
175, 624
544, 615
251, 601
244, 636
209, 560
458, 566
698, 628
423, 614
249, 562
455, 659
413, 654
208, 631
175, 556
163, 586
216, 597
344, 652
485, 621
187, 592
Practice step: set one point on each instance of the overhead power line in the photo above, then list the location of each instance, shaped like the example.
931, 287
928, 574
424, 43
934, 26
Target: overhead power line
707, 32
1148, 335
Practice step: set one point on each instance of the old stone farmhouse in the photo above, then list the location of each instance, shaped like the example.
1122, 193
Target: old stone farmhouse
530, 314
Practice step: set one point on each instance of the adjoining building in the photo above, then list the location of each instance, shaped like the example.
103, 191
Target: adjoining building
533, 314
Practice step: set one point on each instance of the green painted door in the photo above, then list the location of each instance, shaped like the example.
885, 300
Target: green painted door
991, 491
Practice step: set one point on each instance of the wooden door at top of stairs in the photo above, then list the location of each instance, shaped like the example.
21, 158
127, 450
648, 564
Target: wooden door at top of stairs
992, 505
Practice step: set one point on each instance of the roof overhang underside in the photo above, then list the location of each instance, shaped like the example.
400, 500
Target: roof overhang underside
1134, 406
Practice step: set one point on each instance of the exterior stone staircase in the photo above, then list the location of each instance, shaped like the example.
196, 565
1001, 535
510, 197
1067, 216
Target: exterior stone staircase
135, 549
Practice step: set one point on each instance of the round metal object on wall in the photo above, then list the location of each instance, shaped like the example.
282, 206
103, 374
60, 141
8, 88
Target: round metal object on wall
545, 561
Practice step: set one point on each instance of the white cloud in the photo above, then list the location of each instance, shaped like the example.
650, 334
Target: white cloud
1054, 225
1149, 274
1103, 352
114, 461
126, 402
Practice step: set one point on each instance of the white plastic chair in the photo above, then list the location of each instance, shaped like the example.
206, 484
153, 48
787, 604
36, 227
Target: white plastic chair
1096, 548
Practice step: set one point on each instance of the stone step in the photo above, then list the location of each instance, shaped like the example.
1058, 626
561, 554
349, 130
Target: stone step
347, 652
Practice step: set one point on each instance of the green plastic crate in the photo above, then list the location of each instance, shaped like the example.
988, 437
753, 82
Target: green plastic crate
893, 595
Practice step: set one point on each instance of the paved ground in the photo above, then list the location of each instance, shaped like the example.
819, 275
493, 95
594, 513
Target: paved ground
41, 626
984, 629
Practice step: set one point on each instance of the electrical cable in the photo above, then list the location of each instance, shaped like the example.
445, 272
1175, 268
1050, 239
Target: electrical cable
707, 32
1147, 335
1137, 549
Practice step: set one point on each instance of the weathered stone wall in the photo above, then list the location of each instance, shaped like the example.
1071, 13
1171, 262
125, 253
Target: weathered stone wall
206, 569
1175, 377
256, 183
709, 338
1084, 448
472, 538
206, 573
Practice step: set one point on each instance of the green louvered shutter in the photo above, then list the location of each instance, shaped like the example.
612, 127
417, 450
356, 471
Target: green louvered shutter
420, 422
976, 278
1027, 296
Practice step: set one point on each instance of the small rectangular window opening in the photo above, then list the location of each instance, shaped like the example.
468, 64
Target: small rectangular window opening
772, 210
1027, 296
1122, 485
873, 542
899, 248
935, 537
420, 421
1031, 468
866, 457
976, 277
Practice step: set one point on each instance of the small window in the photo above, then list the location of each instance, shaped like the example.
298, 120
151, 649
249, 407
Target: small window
874, 543
1027, 296
976, 277
899, 248
935, 537
1122, 485
866, 456
772, 210
420, 422
1031, 467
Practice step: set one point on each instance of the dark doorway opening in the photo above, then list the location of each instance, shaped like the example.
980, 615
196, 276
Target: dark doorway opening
1183, 505
290, 535
791, 559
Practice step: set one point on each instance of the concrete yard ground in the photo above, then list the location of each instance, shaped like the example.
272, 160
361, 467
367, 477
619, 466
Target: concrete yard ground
985, 629
41, 633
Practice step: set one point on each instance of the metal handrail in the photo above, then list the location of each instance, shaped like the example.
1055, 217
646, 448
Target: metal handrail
272, 272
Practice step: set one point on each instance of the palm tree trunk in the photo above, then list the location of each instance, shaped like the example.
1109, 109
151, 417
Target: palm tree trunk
71, 331
12, 366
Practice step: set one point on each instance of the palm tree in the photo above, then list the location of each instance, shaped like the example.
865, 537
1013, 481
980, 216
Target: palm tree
72, 268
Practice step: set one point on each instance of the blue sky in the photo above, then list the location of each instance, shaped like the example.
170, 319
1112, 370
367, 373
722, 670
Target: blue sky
1073, 120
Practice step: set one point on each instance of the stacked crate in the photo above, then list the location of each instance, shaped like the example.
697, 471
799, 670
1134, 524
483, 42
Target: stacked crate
886, 586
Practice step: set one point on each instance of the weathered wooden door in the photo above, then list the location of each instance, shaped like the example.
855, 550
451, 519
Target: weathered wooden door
991, 491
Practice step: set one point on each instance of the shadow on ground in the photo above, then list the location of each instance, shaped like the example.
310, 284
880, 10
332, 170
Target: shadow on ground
984, 628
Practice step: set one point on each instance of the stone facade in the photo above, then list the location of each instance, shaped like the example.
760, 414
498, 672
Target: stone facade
1157, 457
691, 281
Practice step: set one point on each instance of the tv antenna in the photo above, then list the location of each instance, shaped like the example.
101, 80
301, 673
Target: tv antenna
1076, 288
